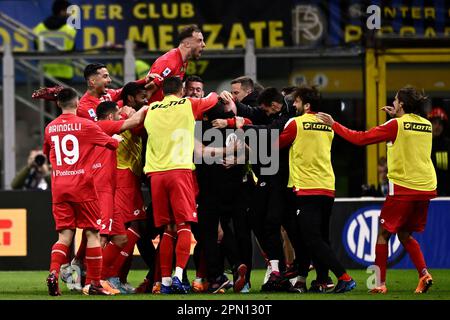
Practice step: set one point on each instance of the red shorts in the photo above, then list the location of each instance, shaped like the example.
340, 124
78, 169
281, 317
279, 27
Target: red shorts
82, 215
128, 199
173, 197
106, 202
400, 215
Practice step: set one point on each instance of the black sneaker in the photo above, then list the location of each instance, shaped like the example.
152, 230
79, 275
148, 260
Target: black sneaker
52, 284
276, 283
317, 287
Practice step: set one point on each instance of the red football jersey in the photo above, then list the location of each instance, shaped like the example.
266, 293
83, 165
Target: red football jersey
88, 104
169, 64
105, 163
69, 144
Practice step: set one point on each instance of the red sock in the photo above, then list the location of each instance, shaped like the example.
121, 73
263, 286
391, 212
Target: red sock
413, 248
93, 264
381, 256
123, 272
345, 277
166, 253
110, 253
183, 248
201, 270
157, 276
126, 251
59, 256
81, 253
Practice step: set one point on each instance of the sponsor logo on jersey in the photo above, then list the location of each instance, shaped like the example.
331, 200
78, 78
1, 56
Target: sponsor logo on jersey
316, 126
422, 127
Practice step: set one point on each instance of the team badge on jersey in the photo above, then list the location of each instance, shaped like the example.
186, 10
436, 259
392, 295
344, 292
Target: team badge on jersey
92, 113
166, 72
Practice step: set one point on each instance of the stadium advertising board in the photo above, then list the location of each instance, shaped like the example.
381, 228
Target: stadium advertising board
13, 232
354, 230
228, 24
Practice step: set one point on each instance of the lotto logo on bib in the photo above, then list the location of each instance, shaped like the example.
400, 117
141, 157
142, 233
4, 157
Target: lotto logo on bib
360, 236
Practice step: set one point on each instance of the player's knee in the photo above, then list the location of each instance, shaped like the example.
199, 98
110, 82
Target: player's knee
403, 236
184, 225
120, 240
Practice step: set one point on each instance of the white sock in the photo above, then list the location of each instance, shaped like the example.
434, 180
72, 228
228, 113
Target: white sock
274, 265
167, 281
179, 273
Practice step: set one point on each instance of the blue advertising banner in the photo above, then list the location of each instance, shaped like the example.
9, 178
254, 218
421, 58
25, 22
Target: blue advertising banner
228, 24
354, 230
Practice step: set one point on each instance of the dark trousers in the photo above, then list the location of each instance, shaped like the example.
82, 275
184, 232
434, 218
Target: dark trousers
313, 220
268, 205
289, 222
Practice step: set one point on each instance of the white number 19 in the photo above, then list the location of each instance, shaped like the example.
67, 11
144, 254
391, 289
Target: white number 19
70, 156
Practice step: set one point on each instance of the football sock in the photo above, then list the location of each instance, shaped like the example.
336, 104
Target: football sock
345, 277
59, 256
179, 273
381, 256
183, 247
201, 268
166, 253
110, 252
274, 265
123, 272
413, 249
157, 275
93, 264
126, 251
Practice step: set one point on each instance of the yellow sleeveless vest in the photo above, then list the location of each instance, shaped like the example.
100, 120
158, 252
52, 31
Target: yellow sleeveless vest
409, 157
310, 155
170, 125
129, 153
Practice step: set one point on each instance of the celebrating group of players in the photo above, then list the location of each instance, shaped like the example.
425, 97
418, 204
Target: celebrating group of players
96, 149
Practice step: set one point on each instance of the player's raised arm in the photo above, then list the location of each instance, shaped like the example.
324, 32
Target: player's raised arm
384, 132
201, 105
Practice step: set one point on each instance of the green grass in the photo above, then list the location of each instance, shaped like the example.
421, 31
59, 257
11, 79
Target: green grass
30, 285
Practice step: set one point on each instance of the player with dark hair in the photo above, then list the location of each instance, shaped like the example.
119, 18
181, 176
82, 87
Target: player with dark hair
169, 162
174, 63
129, 215
193, 87
98, 80
69, 144
311, 177
412, 178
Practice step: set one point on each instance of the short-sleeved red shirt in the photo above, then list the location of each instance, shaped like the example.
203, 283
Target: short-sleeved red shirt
105, 163
169, 64
69, 144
